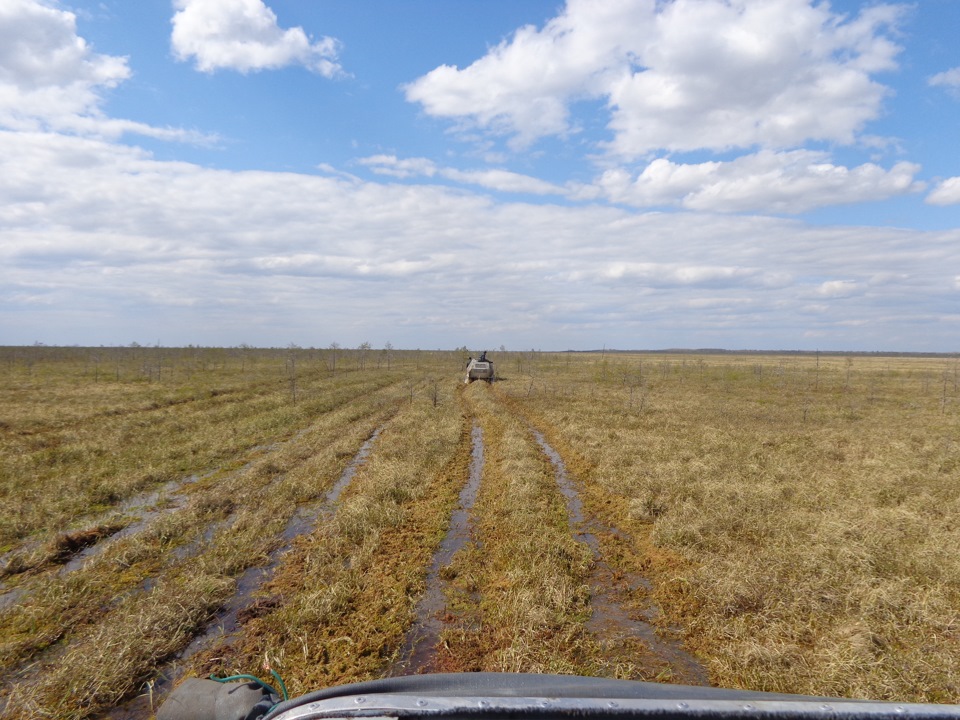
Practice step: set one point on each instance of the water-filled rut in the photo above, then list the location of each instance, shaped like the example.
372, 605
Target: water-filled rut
130, 517
612, 620
227, 620
252, 579
419, 648
140, 511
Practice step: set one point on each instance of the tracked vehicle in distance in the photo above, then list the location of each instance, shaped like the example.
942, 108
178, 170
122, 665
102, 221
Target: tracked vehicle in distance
480, 369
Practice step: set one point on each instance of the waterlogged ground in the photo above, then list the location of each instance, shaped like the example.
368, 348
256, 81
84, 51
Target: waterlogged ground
208, 513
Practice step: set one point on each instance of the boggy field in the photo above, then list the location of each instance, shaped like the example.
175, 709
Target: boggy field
781, 523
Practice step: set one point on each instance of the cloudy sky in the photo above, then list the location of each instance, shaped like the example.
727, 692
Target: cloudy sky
765, 174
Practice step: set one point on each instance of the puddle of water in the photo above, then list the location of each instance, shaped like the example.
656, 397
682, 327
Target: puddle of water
227, 619
147, 515
11, 597
609, 616
575, 518
419, 648
125, 507
192, 548
147, 509
250, 581
139, 505
350, 470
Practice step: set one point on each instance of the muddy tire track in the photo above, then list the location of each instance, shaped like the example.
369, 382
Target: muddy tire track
419, 651
622, 627
623, 617
515, 592
103, 464
221, 629
341, 604
136, 557
68, 551
179, 561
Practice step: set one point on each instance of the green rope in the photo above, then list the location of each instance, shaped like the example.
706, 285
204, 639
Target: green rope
283, 686
258, 681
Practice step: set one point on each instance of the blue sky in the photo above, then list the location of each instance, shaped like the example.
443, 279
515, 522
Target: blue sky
746, 174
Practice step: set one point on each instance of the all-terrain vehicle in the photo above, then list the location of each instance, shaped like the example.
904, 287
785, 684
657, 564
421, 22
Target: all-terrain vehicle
479, 369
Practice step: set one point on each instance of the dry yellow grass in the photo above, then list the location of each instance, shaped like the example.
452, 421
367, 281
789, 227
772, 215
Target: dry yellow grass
801, 520
344, 597
101, 629
87, 445
796, 515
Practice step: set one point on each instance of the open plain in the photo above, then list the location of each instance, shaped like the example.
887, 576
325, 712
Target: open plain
769, 522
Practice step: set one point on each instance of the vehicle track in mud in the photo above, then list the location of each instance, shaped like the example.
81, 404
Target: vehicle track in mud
415, 573
620, 612
147, 513
344, 596
418, 653
128, 515
220, 630
80, 471
25, 675
621, 615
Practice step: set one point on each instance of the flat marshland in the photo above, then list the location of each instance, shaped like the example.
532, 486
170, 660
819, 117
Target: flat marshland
782, 523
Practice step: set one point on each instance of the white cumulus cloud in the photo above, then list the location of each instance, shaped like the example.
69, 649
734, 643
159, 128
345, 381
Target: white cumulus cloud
736, 74
788, 182
47, 72
946, 193
51, 79
244, 35
491, 178
684, 75
949, 79
524, 86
